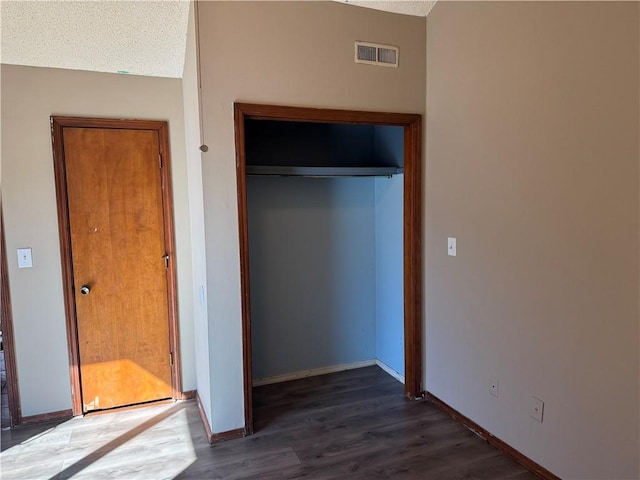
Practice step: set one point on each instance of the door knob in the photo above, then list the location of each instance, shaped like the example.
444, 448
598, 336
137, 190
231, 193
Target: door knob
84, 290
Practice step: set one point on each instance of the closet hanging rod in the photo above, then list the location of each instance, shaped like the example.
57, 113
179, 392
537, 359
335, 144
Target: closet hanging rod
296, 171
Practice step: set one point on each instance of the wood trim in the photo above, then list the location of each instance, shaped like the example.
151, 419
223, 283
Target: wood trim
203, 417
412, 224
47, 417
413, 258
523, 460
243, 224
188, 395
169, 241
13, 394
228, 435
124, 123
64, 234
323, 115
217, 437
57, 125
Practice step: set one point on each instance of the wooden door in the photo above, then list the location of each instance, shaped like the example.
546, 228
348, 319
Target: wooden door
119, 267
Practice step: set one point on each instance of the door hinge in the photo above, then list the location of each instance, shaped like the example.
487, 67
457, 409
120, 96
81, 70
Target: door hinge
166, 260
160, 160
171, 359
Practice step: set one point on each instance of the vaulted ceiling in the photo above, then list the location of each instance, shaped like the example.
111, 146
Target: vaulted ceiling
136, 37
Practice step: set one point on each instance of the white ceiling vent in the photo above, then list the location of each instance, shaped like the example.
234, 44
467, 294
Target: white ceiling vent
376, 54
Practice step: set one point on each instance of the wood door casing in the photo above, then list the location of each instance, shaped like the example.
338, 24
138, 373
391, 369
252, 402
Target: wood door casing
412, 227
116, 226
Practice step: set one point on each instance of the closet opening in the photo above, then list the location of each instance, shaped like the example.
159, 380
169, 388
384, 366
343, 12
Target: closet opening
330, 227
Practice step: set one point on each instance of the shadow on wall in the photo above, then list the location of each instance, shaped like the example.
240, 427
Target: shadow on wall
312, 272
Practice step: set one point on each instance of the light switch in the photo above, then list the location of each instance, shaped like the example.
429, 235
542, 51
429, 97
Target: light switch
24, 258
451, 247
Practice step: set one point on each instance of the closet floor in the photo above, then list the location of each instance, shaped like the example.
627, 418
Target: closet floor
351, 425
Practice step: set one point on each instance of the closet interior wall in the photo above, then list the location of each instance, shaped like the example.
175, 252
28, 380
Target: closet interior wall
326, 269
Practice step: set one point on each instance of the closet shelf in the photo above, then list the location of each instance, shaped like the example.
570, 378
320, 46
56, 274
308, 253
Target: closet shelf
295, 171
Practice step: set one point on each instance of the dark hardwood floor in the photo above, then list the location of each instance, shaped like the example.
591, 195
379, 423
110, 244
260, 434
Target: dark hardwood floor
351, 425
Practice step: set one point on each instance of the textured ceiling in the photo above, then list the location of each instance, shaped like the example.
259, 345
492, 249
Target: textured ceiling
419, 8
139, 37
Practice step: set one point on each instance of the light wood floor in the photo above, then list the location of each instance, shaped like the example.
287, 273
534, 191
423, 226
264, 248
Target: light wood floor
6, 422
348, 425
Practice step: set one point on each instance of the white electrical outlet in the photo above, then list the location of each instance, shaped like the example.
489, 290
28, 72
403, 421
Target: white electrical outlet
451, 246
537, 409
494, 387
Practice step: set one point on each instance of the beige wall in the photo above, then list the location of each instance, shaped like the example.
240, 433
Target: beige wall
190, 92
287, 53
29, 96
532, 163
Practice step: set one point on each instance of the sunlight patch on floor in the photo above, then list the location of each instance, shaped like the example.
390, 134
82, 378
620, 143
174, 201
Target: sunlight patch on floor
133, 444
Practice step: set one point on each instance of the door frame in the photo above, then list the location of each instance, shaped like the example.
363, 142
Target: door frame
412, 227
13, 394
58, 123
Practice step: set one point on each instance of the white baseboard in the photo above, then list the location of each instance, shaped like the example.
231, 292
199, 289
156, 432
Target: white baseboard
390, 371
316, 371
